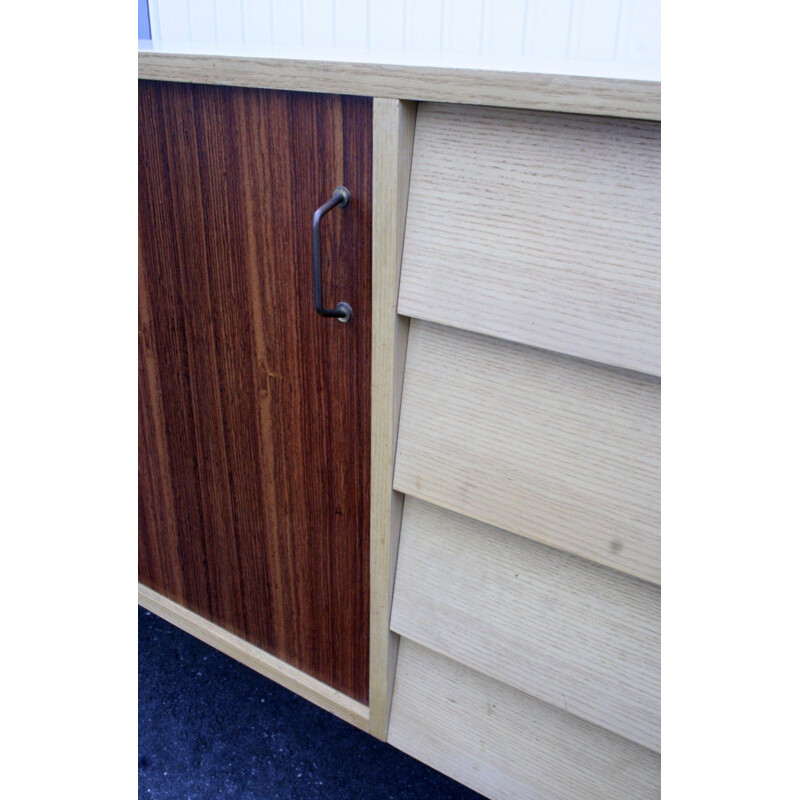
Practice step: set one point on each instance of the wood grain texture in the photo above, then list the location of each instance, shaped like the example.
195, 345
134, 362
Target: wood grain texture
506, 744
579, 636
254, 411
559, 450
580, 95
537, 228
393, 143
286, 675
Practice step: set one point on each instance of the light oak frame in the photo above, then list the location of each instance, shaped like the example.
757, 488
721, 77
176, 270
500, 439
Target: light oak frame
608, 97
393, 143
262, 662
393, 137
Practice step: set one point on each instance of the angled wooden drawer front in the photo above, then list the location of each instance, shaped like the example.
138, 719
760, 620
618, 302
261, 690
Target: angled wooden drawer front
506, 744
538, 228
579, 636
527, 595
546, 446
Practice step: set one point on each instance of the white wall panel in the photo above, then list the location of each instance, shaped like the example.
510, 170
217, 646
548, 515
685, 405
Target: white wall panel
604, 38
547, 28
640, 31
257, 23
422, 31
385, 26
228, 17
173, 20
462, 26
504, 27
287, 19
594, 28
202, 22
351, 23
318, 23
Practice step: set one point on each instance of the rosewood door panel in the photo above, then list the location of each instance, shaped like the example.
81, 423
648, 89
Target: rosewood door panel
254, 412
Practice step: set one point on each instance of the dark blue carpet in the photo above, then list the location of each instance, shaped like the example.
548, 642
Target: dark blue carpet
209, 727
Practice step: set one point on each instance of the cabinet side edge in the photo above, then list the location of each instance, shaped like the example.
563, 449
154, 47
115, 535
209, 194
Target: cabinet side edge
393, 141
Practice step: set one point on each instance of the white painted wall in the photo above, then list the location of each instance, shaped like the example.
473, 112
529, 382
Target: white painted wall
615, 38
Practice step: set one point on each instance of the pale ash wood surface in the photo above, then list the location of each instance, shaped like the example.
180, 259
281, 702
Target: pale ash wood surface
393, 143
262, 662
506, 744
538, 228
582, 637
560, 450
582, 95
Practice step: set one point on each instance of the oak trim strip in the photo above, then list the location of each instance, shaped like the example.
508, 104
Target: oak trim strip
393, 142
273, 668
610, 97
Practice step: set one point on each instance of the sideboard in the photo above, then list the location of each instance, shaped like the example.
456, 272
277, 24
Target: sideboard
438, 520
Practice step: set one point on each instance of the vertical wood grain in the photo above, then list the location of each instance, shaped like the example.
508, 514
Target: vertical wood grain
254, 411
393, 143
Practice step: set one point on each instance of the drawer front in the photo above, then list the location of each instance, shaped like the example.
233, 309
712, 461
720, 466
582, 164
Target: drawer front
538, 228
579, 636
506, 744
549, 447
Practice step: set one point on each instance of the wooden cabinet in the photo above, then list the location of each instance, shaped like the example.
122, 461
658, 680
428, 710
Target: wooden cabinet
254, 416
440, 520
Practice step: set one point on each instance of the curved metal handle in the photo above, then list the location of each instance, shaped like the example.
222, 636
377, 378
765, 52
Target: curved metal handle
343, 311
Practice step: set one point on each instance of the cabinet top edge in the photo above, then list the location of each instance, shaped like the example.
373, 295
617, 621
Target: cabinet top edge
611, 97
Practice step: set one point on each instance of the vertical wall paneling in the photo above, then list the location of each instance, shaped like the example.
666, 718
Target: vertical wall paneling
287, 19
351, 23
229, 18
203, 21
422, 32
385, 26
547, 28
257, 23
594, 29
639, 37
173, 20
461, 23
318, 23
539, 35
503, 27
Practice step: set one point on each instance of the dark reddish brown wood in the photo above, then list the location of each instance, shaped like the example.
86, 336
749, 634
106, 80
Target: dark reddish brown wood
254, 412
